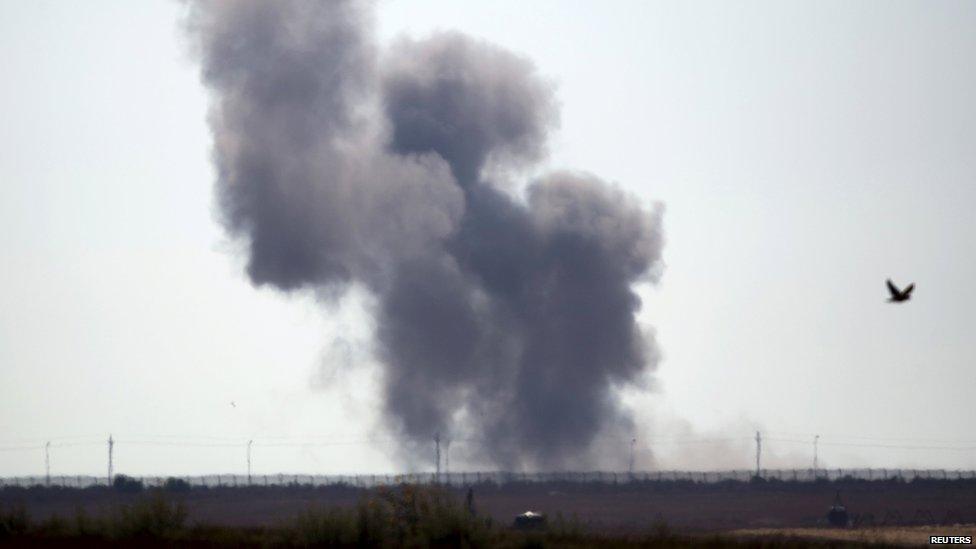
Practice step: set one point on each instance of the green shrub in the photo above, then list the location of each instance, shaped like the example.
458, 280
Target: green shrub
334, 527
126, 484
84, 526
392, 517
563, 528
662, 535
177, 485
13, 521
152, 518
56, 526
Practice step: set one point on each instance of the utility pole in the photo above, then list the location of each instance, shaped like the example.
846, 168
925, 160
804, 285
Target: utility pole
111, 443
630, 468
249, 462
758, 451
47, 463
815, 439
447, 457
437, 454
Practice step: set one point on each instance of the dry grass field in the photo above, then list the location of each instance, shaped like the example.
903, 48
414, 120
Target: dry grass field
654, 514
910, 536
633, 507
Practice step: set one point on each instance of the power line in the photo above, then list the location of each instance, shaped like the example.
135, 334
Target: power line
257, 443
296, 441
437, 454
110, 445
179, 444
816, 438
899, 447
861, 437
19, 448
40, 441
249, 461
42, 446
630, 465
758, 452
863, 445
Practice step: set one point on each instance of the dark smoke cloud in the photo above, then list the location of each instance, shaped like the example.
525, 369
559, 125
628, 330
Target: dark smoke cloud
467, 101
300, 177
504, 319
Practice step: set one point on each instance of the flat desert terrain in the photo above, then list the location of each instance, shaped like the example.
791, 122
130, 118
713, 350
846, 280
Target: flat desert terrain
910, 536
684, 506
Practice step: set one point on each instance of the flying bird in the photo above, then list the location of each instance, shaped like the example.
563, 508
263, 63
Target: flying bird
897, 296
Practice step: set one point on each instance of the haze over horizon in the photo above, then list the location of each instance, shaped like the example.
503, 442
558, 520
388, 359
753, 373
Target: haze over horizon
804, 153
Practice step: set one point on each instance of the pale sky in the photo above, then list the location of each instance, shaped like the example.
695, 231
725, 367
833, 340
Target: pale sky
805, 152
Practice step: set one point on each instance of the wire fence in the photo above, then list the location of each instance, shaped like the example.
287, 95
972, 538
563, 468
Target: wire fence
502, 477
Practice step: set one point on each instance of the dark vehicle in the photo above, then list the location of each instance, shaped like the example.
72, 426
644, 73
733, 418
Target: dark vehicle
837, 516
530, 521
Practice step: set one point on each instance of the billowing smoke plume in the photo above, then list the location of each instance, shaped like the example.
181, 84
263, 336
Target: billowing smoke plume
503, 318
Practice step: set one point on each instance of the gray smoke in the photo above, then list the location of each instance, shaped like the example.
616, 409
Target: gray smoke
504, 319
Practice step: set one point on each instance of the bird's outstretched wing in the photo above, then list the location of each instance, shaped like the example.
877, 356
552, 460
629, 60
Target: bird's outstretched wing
895, 292
909, 289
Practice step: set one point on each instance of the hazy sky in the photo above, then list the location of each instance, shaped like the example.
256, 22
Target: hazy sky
804, 153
